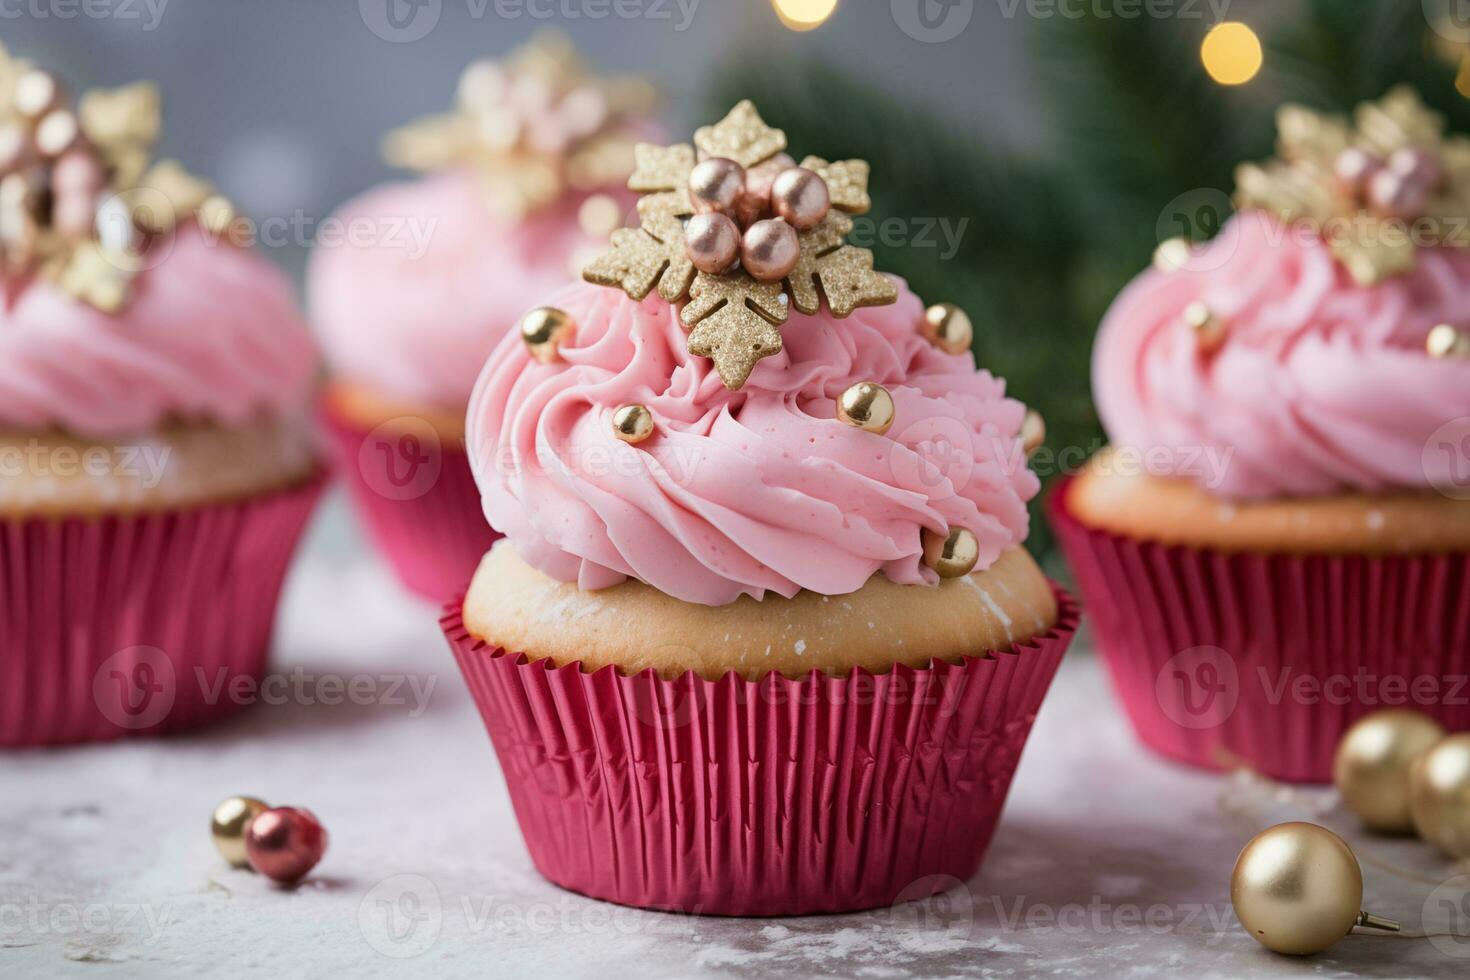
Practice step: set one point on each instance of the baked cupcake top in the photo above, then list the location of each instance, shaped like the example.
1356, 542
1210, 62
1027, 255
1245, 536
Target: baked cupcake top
126, 302
714, 449
523, 181
1317, 344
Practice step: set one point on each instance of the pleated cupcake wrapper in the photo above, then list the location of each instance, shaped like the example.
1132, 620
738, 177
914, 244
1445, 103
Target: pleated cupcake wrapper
419, 502
139, 624
1262, 660
777, 797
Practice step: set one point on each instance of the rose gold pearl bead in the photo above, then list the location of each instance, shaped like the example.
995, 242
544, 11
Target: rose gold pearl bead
1418, 165
1355, 167
770, 250
712, 241
801, 197
1397, 196
716, 185
758, 183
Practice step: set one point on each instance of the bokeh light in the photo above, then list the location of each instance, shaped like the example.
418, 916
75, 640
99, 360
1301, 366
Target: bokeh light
804, 15
1232, 53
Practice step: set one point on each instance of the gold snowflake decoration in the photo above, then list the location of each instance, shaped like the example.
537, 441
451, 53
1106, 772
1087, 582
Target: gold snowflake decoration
732, 315
80, 195
531, 127
1375, 187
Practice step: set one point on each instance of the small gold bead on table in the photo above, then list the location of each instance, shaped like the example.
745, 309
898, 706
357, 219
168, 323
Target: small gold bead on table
1173, 254
544, 330
1033, 433
1209, 329
633, 424
867, 406
228, 826
952, 555
1448, 341
948, 327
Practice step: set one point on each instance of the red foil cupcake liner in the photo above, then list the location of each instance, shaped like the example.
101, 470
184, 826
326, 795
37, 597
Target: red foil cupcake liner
1265, 660
139, 624
776, 797
418, 499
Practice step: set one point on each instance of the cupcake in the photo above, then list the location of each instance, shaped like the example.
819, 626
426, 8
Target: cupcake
761, 638
1277, 540
155, 438
521, 180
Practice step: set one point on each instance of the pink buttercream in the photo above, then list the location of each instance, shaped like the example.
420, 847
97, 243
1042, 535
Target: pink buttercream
748, 491
211, 332
1322, 386
414, 306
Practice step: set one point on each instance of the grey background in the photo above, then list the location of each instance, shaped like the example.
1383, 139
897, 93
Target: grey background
282, 102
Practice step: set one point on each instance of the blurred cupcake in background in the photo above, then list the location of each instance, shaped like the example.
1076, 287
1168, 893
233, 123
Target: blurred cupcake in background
764, 612
524, 180
1277, 540
158, 457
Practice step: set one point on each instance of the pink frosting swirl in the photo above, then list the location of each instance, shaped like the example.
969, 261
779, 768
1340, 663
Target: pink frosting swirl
747, 491
1322, 385
429, 279
211, 332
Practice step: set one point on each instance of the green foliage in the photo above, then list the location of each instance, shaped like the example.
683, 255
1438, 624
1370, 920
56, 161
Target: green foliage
1049, 240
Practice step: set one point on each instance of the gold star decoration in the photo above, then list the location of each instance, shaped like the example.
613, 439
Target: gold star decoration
79, 194
1371, 186
531, 127
732, 316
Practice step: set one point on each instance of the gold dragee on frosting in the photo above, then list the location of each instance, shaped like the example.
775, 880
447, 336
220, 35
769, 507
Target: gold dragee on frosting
1372, 186
79, 194
734, 312
531, 127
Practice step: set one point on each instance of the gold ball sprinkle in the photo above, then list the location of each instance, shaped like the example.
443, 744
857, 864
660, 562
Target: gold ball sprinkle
56, 132
633, 424
1173, 254
952, 555
948, 327
544, 330
867, 406
1209, 329
228, 825
1033, 433
1373, 762
1448, 341
35, 93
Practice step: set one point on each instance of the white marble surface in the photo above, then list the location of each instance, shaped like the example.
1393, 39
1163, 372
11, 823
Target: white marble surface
1108, 863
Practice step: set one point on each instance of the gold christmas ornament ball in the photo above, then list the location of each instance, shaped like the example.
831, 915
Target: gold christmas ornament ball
948, 327
633, 424
1447, 341
867, 406
953, 554
1439, 795
1373, 763
1297, 888
228, 825
544, 330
